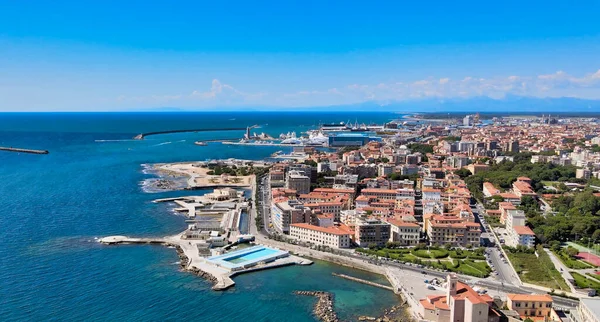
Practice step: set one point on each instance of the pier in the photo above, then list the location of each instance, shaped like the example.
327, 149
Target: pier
141, 136
359, 280
11, 149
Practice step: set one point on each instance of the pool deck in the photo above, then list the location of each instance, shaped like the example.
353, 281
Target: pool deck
221, 276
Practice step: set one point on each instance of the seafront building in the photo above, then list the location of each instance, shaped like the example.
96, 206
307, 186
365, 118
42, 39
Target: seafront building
285, 212
370, 231
333, 236
453, 230
404, 233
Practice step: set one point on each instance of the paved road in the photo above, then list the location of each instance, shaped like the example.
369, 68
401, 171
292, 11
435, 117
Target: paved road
564, 270
506, 274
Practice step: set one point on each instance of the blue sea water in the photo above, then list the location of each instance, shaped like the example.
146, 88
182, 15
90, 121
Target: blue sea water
90, 185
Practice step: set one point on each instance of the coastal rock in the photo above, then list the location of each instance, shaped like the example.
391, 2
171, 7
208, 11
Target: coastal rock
324, 308
184, 261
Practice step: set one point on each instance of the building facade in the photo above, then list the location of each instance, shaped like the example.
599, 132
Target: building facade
328, 236
371, 231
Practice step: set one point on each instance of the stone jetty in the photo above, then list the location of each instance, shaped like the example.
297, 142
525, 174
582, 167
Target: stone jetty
324, 308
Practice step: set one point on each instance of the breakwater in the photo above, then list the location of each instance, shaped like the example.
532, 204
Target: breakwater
324, 308
141, 136
359, 280
11, 149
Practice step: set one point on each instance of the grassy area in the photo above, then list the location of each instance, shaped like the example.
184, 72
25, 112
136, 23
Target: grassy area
572, 262
584, 282
537, 270
430, 253
594, 276
468, 264
550, 183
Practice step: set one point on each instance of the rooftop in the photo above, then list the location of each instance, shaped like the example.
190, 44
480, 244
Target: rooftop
330, 230
530, 297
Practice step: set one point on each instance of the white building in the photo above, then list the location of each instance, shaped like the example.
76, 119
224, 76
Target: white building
518, 233
384, 169
329, 236
405, 233
521, 235
588, 310
288, 212
431, 194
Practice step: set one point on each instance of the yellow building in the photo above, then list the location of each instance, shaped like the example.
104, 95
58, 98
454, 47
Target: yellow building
535, 305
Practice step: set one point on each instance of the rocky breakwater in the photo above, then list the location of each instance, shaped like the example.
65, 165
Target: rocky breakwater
324, 308
184, 261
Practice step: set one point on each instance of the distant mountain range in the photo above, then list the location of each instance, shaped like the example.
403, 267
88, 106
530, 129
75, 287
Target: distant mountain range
483, 104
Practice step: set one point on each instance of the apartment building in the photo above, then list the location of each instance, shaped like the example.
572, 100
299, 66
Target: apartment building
285, 212
297, 181
518, 233
521, 235
371, 231
405, 233
452, 230
523, 188
334, 237
334, 208
489, 190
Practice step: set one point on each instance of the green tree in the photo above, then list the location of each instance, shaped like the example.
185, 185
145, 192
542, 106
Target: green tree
463, 173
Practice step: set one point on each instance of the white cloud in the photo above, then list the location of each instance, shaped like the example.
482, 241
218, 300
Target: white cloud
555, 84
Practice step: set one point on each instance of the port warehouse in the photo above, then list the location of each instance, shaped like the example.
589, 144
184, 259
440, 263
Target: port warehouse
247, 257
351, 139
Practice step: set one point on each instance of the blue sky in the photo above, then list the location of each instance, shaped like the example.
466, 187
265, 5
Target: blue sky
127, 55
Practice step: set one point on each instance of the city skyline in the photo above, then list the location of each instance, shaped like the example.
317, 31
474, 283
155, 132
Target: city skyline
191, 56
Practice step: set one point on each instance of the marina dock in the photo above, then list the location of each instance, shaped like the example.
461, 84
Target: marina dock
11, 149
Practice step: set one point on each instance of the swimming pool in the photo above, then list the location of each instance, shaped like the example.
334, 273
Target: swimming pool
250, 256
247, 257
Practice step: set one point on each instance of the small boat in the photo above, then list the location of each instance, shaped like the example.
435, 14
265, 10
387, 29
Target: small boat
200, 143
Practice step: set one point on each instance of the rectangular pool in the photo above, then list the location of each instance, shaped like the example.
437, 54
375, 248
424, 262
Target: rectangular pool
247, 257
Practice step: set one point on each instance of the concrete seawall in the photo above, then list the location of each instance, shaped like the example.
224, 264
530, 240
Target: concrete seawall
141, 136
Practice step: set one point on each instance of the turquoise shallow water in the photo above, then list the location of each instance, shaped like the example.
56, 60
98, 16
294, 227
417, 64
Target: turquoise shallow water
53, 206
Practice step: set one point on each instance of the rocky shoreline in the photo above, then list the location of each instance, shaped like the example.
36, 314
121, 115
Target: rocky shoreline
324, 308
395, 313
184, 262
